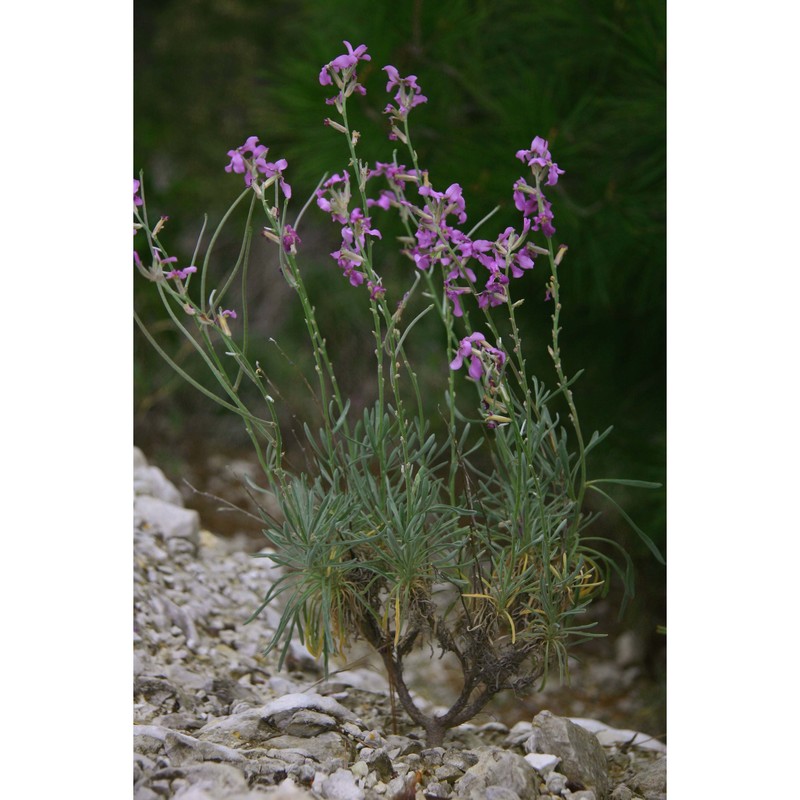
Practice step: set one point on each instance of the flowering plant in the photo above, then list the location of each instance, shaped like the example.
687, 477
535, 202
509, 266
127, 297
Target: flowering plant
472, 541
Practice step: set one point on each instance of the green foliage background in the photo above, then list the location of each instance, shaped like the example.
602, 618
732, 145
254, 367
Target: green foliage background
588, 75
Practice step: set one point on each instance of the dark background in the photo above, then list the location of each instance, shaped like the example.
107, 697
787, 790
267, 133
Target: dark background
588, 76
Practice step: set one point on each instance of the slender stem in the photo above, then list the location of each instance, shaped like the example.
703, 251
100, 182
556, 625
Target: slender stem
207, 259
563, 384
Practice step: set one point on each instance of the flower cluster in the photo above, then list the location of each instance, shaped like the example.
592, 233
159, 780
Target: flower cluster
509, 253
409, 95
333, 197
438, 242
436, 239
397, 176
486, 368
482, 356
352, 254
530, 200
538, 158
342, 72
248, 160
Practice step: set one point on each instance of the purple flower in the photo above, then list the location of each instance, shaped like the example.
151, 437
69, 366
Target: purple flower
342, 71
495, 292
352, 254
349, 262
448, 202
525, 198
384, 201
181, 273
523, 260
397, 175
461, 270
539, 159
409, 95
159, 260
481, 355
452, 293
271, 171
227, 312
239, 162
343, 62
534, 205
335, 199
248, 160
290, 239
375, 290
537, 154
137, 201
465, 350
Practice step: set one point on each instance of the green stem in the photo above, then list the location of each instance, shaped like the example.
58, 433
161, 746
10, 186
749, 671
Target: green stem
555, 354
206, 260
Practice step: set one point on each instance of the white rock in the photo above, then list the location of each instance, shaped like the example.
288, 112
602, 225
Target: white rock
292, 702
153, 731
341, 785
365, 679
151, 481
609, 737
171, 520
360, 769
287, 790
556, 783
615, 736
542, 762
519, 733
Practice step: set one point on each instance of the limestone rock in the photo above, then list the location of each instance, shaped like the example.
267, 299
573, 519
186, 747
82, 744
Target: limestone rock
149, 739
325, 747
622, 792
151, 481
543, 763
499, 793
282, 708
651, 781
174, 522
287, 790
306, 722
556, 783
379, 762
184, 749
215, 780
583, 760
608, 736
246, 727
341, 785
500, 768
437, 791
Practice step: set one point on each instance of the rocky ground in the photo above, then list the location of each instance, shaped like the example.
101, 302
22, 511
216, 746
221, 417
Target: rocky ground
214, 718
